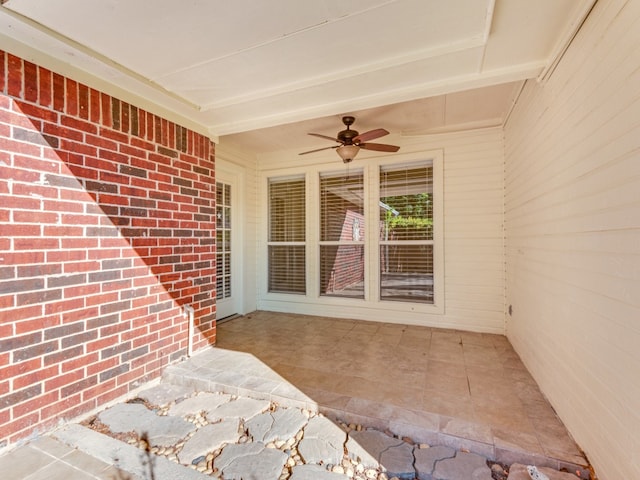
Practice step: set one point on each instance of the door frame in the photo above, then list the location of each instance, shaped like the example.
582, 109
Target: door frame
229, 175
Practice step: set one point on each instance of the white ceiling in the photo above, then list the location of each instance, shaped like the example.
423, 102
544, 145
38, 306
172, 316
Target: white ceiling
235, 66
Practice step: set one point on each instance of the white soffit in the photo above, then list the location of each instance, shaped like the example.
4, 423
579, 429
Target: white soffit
246, 64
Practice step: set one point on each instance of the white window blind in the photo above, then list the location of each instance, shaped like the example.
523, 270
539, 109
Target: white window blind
406, 233
223, 240
286, 245
342, 227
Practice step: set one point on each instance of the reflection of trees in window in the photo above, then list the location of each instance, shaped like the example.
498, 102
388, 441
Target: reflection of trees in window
406, 233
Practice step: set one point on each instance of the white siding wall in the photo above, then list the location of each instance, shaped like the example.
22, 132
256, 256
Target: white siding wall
572, 181
473, 185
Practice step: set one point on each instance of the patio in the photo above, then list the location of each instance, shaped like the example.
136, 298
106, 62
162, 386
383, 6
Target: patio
446, 387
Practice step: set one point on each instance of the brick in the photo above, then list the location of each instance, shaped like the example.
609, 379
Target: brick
76, 387
62, 181
24, 312
22, 285
68, 407
35, 404
34, 351
79, 362
58, 92
14, 77
30, 136
115, 307
36, 324
17, 369
94, 106
125, 121
114, 350
22, 341
71, 96
35, 113
83, 101
133, 354
63, 330
34, 377
78, 338
20, 396
30, 82
65, 379
114, 372
103, 321
115, 114
25, 424
45, 87
33, 298
3, 74
81, 313
62, 355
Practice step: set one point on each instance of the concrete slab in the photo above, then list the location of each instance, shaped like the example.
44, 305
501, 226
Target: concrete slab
250, 461
208, 439
463, 466
165, 393
323, 442
23, 461
243, 408
60, 470
282, 424
163, 431
121, 455
519, 472
203, 402
426, 459
314, 472
398, 461
374, 448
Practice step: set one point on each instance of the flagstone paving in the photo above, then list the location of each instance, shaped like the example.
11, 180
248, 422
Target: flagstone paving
223, 436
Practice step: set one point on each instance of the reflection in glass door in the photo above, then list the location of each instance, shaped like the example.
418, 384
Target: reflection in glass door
223, 247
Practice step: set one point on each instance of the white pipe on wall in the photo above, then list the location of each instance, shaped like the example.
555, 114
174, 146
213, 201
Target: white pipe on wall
190, 313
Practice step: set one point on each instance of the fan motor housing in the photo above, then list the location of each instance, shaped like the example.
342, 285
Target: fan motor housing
347, 136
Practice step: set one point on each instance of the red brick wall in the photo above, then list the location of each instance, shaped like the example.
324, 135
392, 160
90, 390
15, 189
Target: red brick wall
106, 230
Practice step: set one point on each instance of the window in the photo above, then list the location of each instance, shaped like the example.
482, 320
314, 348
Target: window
223, 240
365, 241
406, 233
286, 244
342, 227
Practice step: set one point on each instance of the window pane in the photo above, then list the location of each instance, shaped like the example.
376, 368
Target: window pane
287, 210
342, 208
406, 203
406, 273
286, 261
341, 224
286, 269
406, 233
342, 270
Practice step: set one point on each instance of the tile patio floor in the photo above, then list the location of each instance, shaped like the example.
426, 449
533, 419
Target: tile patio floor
467, 390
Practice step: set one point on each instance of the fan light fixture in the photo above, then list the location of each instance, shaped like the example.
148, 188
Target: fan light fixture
348, 152
351, 141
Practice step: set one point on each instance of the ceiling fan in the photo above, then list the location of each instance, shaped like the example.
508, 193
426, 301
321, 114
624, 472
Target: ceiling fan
351, 141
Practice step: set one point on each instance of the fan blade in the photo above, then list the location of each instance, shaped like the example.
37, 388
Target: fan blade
324, 136
379, 147
318, 150
370, 135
